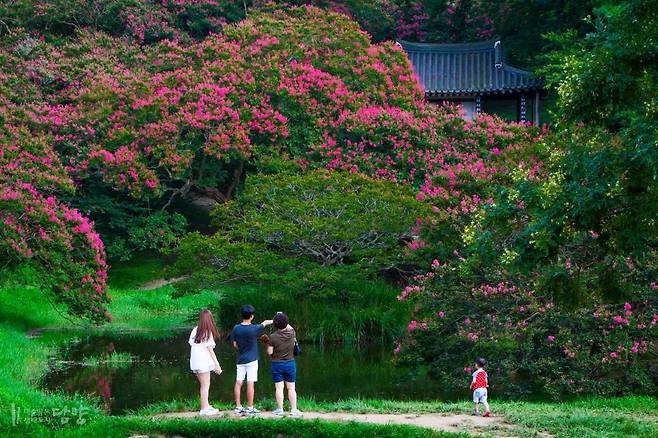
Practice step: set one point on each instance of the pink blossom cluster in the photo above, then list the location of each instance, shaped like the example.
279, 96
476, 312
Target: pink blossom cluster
413, 325
36, 226
500, 288
153, 23
409, 290
413, 26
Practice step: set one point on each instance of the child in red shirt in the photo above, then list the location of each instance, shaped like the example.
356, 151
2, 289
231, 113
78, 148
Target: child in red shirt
479, 386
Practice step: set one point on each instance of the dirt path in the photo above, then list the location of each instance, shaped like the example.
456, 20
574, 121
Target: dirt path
496, 426
160, 282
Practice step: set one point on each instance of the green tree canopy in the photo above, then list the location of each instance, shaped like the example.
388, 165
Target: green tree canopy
332, 218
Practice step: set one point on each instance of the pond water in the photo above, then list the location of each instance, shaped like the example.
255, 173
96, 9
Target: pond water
159, 371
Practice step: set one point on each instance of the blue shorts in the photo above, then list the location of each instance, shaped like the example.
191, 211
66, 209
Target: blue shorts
285, 371
480, 395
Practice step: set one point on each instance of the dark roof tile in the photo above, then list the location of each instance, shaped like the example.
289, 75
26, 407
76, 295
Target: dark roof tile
467, 68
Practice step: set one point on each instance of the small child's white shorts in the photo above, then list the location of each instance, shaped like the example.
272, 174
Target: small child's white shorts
480, 395
247, 371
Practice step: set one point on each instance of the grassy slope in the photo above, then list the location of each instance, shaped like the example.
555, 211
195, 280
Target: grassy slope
23, 308
25, 360
132, 274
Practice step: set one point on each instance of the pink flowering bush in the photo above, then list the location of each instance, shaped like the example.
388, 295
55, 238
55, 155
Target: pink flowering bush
144, 21
416, 20
319, 82
549, 280
38, 230
458, 21
433, 148
533, 346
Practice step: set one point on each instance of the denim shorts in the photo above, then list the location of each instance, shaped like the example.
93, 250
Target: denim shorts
285, 371
480, 395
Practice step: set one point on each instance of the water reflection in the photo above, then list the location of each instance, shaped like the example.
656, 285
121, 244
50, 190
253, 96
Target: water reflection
158, 370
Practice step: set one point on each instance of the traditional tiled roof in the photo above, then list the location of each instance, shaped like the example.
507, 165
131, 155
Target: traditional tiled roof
447, 70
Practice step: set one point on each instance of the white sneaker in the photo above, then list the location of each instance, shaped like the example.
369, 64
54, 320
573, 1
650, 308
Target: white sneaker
278, 412
239, 410
208, 412
252, 411
296, 413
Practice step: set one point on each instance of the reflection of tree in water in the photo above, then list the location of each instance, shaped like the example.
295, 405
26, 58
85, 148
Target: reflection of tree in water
96, 380
160, 373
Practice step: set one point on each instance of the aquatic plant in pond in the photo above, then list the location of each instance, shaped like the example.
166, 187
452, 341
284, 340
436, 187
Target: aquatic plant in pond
113, 360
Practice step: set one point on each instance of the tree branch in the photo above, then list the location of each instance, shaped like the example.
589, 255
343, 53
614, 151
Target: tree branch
5, 25
237, 174
181, 191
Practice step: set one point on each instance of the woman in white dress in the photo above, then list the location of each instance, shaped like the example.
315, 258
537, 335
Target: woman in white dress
203, 359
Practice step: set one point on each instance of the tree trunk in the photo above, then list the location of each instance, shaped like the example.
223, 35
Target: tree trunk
208, 198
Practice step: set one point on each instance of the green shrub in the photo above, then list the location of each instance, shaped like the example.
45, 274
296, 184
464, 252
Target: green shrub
556, 274
330, 218
305, 243
533, 346
372, 314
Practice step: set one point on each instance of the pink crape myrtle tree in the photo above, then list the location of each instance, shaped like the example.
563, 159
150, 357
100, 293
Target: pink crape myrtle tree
128, 130
38, 230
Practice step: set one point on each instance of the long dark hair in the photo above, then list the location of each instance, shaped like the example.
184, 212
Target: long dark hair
206, 327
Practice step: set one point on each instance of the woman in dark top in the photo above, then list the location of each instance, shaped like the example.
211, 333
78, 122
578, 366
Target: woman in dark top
281, 347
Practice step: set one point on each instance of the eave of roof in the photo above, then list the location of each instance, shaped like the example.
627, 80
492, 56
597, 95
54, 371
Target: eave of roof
460, 69
447, 47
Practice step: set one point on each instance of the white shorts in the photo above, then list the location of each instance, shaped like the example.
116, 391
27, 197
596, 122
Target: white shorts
480, 395
248, 370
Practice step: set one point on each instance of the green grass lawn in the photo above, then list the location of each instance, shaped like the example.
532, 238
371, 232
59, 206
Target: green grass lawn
593, 417
128, 426
26, 360
155, 309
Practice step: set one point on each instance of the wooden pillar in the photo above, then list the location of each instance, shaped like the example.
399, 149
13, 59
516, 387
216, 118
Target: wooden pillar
522, 108
536, 108
478, 105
